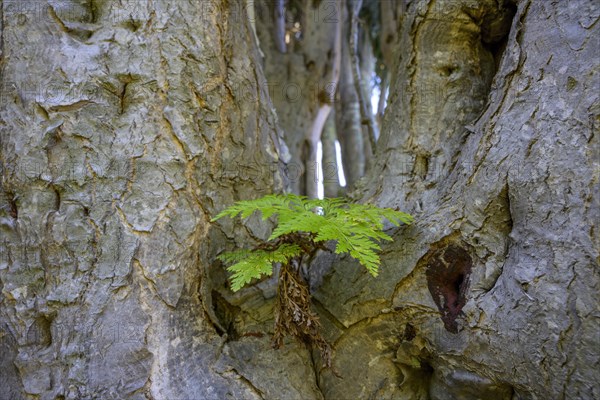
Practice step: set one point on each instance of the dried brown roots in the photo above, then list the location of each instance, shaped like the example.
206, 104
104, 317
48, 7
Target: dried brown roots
293, 315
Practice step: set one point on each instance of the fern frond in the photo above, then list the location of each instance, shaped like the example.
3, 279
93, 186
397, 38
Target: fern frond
253, 264
233, 256
356, 227
299, 221
267, 206
302, 227
359, 246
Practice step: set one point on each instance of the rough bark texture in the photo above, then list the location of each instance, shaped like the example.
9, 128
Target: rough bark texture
123, 129
502, 177
126, 125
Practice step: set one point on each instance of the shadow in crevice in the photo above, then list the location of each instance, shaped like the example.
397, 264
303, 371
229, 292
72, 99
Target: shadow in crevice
495, 30
225, 313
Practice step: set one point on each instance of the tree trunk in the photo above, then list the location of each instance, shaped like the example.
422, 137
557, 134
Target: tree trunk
389, 44
303, 80
367, 72
366, 118
331, 182
492, 293
348, 117
125, 127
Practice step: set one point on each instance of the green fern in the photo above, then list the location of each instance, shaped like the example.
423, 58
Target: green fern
302, 227
253, 264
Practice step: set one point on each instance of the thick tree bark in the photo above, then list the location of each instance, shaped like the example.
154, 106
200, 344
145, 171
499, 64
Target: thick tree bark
493, 292
125, 126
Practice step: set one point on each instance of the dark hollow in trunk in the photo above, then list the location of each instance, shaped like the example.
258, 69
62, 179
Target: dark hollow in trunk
447, 274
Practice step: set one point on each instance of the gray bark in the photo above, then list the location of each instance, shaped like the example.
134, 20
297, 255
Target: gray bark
303, 80
279, 25
502, 177
366, 120
348, 117
125, 127
130, 137
381, 104
389, 45
367, 72
331, 182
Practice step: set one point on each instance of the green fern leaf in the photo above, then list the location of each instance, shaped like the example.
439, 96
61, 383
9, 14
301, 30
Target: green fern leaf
300, 221
253, 264
355, 227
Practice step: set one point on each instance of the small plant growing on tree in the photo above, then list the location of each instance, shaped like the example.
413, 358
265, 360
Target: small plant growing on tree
303, 227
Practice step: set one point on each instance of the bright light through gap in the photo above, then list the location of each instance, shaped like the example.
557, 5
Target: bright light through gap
340, 169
